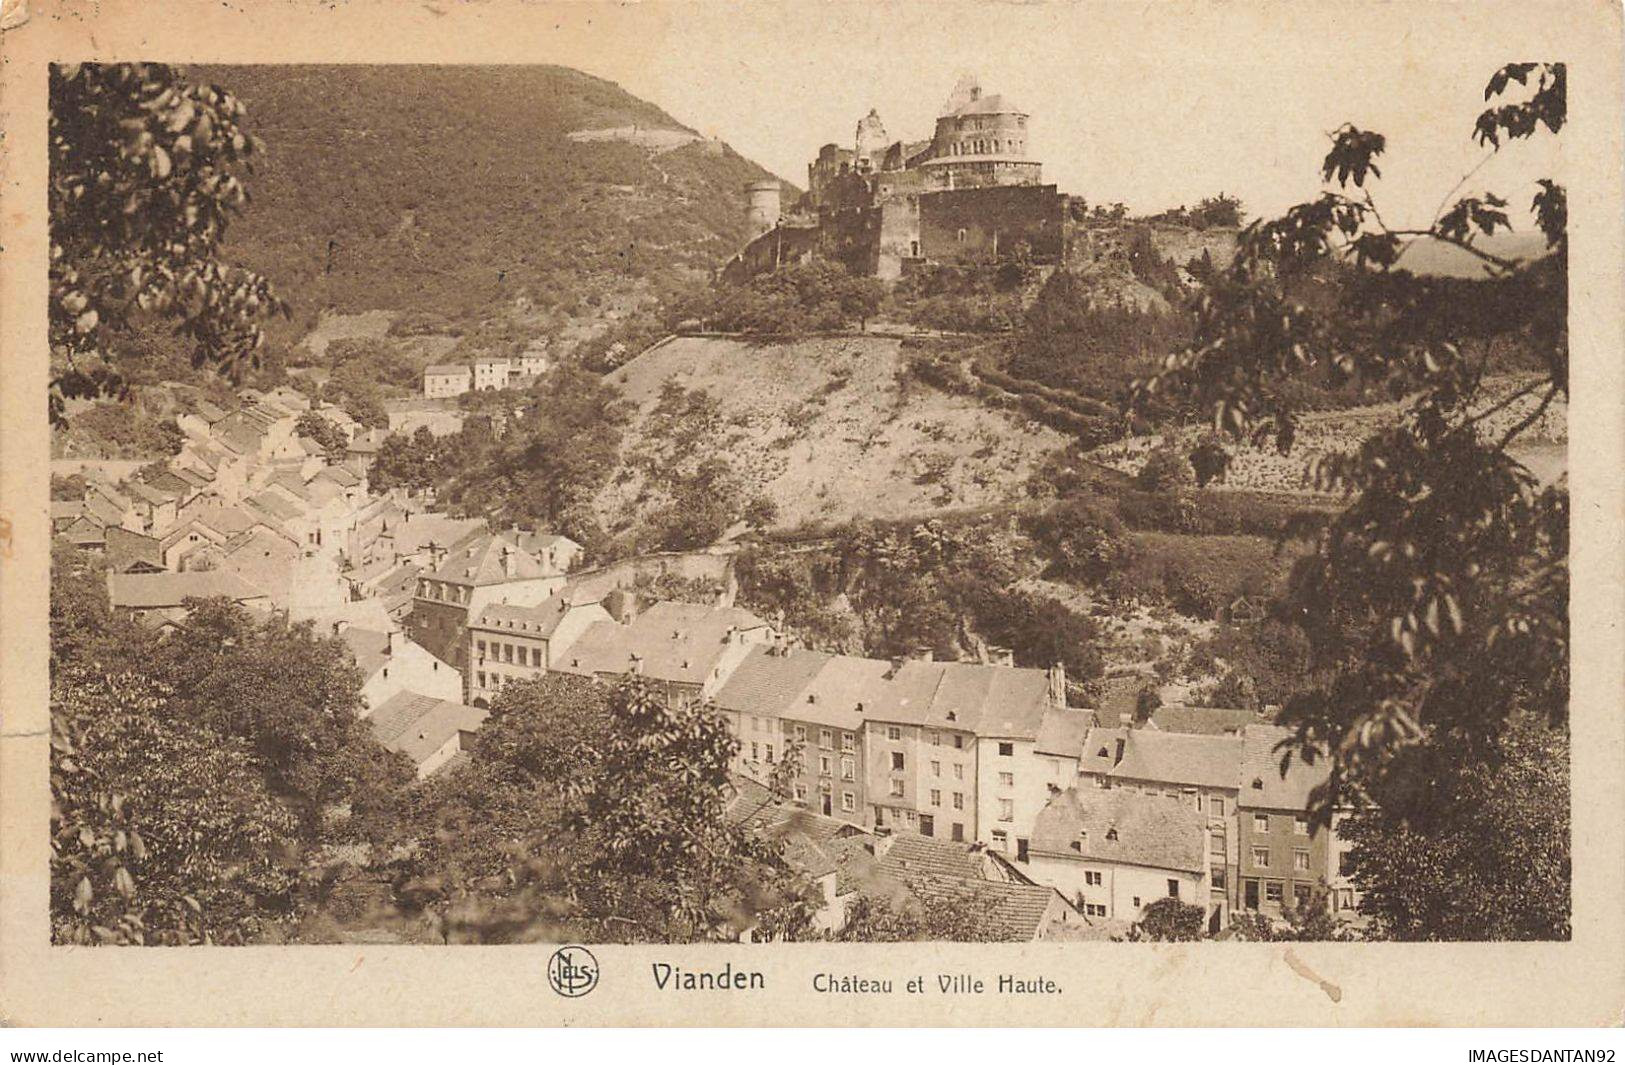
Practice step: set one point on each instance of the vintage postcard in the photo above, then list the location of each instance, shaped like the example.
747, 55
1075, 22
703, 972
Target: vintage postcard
811, 513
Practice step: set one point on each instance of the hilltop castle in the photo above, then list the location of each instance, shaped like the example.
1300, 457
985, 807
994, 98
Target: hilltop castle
969, 194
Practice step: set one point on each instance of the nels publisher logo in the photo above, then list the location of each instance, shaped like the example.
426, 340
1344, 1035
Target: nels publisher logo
572, 971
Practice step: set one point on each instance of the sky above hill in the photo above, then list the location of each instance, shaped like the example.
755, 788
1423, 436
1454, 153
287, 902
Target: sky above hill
1138, 103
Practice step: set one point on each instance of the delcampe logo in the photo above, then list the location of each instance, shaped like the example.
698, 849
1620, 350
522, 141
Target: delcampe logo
572, 971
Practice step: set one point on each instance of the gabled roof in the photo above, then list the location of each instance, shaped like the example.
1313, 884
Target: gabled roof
194, 480
338, 475
66, 509
446, 370
147, 493
1181, 758
485, 559
540, 621
370, 647
290, 480
148, 590
310, 446
102, 511
83, 532
1062, 732
997, 104
126, 549
209, 412
1118, 825
369, 442
418, 726
767, 682
1262, 784
1203, 720
939, 872
840, 694
277, 507
674, 642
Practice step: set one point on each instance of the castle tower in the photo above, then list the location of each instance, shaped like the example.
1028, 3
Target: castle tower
871, 143
762, 207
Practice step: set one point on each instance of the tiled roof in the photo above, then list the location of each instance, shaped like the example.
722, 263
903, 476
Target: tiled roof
912, 853
1205, 720
769, 683
370, 647
66, 509
102, 511
338, 475
486, 559
1181, 758
445, 370
1118, 825
209, 412
1062, 732
1262, 784
193, 478
675, 642
938, 872
126, 548
540, 621
145, 590
987, 700
279, 507
418, 726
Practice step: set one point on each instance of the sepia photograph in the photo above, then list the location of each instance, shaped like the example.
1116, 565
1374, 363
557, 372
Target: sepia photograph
816, 475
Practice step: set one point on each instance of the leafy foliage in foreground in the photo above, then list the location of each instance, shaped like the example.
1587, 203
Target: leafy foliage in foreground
1437, 601
147, 171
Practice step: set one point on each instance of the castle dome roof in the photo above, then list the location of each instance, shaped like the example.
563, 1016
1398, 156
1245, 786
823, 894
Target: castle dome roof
997, 104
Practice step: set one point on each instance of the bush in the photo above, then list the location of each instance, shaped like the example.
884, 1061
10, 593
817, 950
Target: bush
1165, 471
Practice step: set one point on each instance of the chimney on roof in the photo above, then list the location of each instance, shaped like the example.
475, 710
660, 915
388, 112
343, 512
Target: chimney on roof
1057, 686
339, 626
507, 561
896, 667
922, 654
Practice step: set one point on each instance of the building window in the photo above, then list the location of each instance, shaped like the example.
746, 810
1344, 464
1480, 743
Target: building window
1001, 840
1215, 806
480, 645
1217, 873
848, 770
801, 733
801, 792
897, 789
894, 733
1272, 891
1094, 909
936, 797
1249, 890
848, 802
1300, 861
934, 739
958, 832
1300, 896
1007, 780
481, 675
1261, 857
1007, 810
897, 761
1173, 888
959, 770
1345, 863
1092, 879
1261, 822
826, 739
959, 800
848, 742
769, 749
1300, 824
936, 769
823, 765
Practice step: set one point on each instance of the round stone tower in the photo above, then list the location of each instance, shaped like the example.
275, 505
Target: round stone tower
762, 208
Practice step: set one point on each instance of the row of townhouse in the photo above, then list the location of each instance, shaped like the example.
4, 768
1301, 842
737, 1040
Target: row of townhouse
447, 380
1207, 818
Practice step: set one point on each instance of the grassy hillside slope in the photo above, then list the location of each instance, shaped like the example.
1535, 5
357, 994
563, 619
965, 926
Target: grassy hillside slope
455, 189
828, 428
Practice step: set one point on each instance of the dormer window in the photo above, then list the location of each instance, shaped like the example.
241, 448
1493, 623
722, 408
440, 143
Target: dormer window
1111, 835
1258, 784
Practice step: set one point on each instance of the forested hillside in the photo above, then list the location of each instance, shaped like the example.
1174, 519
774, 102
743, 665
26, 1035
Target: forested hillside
453, 189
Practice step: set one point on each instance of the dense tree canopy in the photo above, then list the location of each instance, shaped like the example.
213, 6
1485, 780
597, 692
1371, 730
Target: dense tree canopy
147, 171
1438, 599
